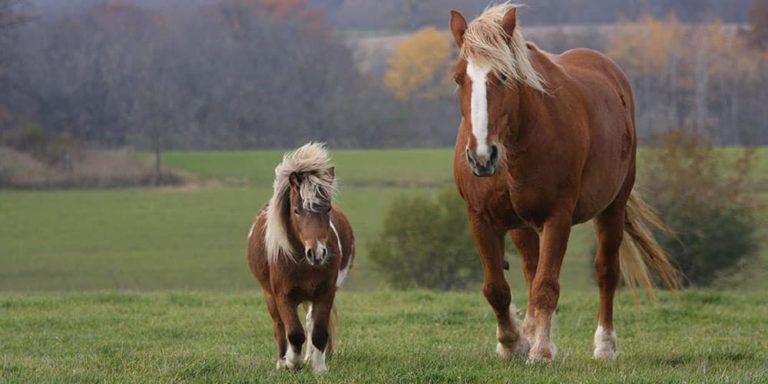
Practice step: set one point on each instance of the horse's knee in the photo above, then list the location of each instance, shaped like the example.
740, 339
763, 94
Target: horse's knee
296, 338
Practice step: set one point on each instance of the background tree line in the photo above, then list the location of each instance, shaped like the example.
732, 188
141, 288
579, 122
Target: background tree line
267, 73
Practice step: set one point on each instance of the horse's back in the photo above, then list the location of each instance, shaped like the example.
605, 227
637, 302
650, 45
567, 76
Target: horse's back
608, 96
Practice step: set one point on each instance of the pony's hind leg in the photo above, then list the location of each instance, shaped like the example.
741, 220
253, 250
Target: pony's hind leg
490, 245
609, 227
527, 242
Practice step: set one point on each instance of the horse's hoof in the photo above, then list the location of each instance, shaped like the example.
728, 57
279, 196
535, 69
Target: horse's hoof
519, 350
604, 345
542, 354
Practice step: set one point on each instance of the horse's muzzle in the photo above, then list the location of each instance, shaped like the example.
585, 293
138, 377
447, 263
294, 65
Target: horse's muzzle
316, 256
483, 166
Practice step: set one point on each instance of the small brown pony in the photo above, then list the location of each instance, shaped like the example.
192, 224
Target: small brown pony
546, 142
301, 249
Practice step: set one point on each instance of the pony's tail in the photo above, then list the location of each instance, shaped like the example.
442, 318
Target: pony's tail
640, 250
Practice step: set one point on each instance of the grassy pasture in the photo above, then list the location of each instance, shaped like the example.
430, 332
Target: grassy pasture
417, 336
194, 237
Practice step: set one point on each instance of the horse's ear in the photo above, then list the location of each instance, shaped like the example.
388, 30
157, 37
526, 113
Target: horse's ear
295, 179
509, 21
458, 26
332, 172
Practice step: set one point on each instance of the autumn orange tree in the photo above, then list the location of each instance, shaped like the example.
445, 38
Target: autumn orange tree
419, 66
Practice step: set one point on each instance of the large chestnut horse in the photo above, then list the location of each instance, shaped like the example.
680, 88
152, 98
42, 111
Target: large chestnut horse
546, 142
301, 249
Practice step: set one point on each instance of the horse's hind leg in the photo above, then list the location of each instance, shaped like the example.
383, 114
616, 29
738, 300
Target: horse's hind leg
490, 245
609, 227
527, 242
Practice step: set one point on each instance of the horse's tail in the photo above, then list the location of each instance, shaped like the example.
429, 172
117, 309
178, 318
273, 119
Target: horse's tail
640, 250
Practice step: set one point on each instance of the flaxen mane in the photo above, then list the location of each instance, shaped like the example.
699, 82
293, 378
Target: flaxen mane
312, 161
487, 44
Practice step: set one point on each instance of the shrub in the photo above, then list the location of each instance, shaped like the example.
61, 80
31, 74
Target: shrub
426, 243
704, 194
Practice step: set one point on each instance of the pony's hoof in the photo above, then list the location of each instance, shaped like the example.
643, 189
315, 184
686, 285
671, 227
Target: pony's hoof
519, 350
320, 370
542, 354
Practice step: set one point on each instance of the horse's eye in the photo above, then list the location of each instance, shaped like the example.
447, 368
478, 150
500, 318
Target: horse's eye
296, 211
503, 78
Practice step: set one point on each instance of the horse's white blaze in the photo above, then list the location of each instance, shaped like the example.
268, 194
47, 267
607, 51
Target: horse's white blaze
345, 268
605, 343
479, 106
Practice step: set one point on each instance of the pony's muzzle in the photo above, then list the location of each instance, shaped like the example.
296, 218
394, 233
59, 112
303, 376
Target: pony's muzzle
316, 256
483, 165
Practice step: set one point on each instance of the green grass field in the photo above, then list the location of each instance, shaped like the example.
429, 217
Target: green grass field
171, 298
699, 337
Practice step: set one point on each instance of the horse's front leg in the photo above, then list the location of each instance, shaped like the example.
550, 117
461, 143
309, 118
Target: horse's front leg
546, 286
527, 242
294, 332
490, 244
320, 335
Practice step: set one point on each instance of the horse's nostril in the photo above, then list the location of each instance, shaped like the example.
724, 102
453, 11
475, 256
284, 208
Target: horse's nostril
324, 252
494, 154
311, 254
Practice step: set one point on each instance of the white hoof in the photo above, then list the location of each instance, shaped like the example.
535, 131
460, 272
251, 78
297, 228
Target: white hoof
292, 359
605, 344
542, 354
318, 362
518, 350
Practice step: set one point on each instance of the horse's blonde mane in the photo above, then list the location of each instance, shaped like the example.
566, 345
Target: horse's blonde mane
313, 162
487, 44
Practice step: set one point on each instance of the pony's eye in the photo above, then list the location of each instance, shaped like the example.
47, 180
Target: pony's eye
503, 78
296, 211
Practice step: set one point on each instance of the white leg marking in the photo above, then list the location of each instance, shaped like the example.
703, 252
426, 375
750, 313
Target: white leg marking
292, 358
479, 106
543, 349
605, 344
511, 344
309, 325
318, 361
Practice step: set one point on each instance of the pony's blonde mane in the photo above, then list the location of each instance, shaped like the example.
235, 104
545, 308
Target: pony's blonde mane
317, 187
487, 44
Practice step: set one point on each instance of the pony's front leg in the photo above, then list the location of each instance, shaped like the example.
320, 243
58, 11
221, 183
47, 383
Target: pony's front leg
294, 332
546, 285
320, 337
490, 245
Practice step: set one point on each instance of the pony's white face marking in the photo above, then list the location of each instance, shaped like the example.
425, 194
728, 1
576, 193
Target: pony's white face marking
479, 106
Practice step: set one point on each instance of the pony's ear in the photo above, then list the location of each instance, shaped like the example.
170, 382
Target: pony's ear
509, 21
295, 179
331, 172
458, 27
